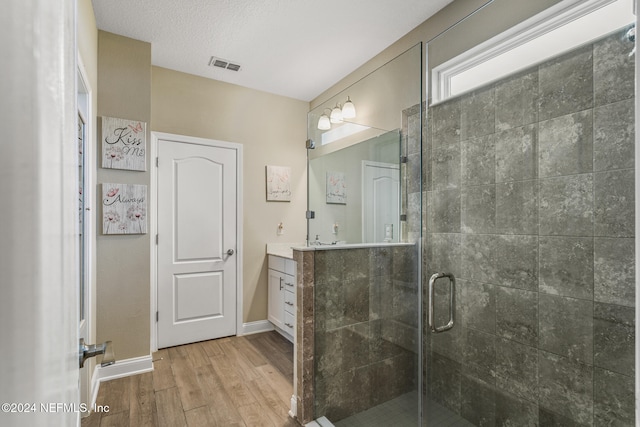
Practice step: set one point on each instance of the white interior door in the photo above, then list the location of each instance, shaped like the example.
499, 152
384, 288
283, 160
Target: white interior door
197, 240
38, 171
85, 228
380, 202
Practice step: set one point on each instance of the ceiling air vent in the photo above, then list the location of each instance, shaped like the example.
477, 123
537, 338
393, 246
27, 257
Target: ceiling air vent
223, 63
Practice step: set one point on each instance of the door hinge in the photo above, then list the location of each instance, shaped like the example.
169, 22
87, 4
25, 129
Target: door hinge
310, 214
157, 161
157, 315
156, 239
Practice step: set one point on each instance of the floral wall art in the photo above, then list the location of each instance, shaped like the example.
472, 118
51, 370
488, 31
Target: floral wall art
279, 183
336, 188
124, 144
124, 209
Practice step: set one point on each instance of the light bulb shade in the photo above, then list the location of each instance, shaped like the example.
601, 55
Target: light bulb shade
324, 123
336, 115
348, 110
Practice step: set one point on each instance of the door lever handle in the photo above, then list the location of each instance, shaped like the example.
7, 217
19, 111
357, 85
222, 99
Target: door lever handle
230, 252
452, 302
92, 350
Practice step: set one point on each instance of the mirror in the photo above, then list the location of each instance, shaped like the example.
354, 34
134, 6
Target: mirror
356, 192
357, 186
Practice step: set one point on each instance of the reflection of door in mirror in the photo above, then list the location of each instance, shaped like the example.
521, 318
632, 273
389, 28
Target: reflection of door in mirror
343, 168
380, 202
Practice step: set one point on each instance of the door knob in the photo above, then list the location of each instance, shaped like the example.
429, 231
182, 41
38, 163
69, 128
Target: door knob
230, 252
92, 350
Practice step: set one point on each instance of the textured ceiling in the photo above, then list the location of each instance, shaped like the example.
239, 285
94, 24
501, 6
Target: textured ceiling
294, 48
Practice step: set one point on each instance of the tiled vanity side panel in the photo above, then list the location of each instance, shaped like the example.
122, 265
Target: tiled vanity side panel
366, 319
304, 335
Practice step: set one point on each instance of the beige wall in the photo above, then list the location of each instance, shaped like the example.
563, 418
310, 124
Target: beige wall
272, 130
88, 43
123, 289
487, 22
378, 98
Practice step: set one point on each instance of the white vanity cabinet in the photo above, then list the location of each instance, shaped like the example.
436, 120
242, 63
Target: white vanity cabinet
282, 295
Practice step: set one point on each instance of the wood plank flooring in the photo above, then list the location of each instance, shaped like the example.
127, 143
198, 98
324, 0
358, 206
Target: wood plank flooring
238, 381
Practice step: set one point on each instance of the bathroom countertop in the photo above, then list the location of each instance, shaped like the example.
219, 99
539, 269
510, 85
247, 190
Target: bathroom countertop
284, 250
326, 247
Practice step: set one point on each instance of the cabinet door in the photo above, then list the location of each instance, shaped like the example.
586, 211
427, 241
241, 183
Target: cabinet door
276, 300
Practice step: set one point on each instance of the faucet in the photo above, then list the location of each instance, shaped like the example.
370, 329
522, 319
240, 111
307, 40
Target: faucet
316, 242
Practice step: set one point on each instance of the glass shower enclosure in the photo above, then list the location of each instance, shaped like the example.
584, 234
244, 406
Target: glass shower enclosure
504, 293
529, 165
364, 188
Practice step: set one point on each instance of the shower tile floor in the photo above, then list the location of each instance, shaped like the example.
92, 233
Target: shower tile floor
402, 411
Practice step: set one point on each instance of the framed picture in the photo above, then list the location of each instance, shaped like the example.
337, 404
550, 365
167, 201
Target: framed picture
124, 209
278, 184
336, 188
124, 144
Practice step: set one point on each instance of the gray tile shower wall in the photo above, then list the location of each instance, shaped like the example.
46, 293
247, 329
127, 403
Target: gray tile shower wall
529, 189
366, 328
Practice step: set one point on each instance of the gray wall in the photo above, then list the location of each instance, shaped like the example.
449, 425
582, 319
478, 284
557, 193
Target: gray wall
530, 203
366, 319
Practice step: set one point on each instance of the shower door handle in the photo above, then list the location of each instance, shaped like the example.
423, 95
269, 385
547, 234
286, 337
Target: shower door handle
452, 302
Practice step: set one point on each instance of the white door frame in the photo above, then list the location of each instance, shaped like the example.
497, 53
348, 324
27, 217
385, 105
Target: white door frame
85, 108
153, 223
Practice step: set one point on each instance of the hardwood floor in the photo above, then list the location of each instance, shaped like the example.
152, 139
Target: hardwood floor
236, 381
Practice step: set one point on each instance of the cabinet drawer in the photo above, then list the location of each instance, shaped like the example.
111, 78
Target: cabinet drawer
290, 302
289, 322
290, 267
289, 283
276, 263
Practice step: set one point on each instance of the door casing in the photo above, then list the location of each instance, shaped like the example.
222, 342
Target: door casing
89, 383
153, 224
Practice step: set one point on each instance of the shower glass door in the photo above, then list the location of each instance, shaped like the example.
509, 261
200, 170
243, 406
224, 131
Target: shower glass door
365, 192
529, 167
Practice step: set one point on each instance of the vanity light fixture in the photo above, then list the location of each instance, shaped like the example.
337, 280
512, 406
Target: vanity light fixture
348, 109
337, 115
323, 122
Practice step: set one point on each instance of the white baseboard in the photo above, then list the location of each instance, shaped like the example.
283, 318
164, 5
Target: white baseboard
288, 336
293, 412
120, 369
256, 327
95, 387
320, 422
125, 368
